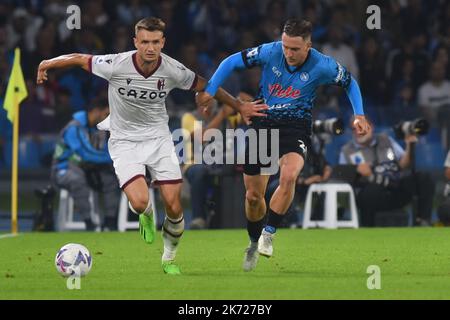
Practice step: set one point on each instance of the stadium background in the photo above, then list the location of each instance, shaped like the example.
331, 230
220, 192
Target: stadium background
390, 64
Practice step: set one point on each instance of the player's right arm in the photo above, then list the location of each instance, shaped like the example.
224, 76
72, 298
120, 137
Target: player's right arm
247, 58
64, 61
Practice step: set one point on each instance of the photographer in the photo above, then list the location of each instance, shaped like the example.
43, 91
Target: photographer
385, 183
81, 162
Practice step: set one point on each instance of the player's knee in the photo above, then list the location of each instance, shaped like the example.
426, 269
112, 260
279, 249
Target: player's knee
287, 180
174, 208
139, 203
254, 198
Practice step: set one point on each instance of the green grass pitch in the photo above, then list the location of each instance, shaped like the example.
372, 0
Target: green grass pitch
311, 264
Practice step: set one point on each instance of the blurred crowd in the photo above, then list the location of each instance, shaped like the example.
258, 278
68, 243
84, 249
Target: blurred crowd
403, 68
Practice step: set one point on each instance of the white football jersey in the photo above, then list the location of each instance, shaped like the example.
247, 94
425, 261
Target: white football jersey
137, 101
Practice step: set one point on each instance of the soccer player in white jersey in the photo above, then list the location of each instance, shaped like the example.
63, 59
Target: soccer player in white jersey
139, 82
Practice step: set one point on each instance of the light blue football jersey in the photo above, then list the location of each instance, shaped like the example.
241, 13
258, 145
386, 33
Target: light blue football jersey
290, 92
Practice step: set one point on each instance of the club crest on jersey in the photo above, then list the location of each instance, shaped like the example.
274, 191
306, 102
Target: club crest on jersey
161, 84
252, 53
277, 90
304, 76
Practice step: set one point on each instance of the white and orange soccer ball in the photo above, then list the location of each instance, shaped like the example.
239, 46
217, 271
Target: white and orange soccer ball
73, 259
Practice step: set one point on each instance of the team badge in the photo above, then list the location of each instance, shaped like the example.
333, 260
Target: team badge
304, 76
161, 84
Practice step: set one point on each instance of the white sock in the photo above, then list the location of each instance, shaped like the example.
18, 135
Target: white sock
148, 211
172, 231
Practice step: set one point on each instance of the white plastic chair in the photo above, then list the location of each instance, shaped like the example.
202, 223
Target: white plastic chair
66, 215
331, 209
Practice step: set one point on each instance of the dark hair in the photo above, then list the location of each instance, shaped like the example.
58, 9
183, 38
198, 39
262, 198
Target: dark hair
298, 28
150, 24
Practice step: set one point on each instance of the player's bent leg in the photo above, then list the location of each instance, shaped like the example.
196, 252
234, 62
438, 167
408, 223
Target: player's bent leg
290, 166
136, 190
255, 209
137, 194
173, 226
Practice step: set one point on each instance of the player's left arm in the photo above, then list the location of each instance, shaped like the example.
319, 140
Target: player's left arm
360, 122
335, 73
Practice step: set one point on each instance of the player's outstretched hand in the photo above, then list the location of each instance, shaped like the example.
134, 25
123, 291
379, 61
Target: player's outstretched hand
361, 125
252, 109
42, 72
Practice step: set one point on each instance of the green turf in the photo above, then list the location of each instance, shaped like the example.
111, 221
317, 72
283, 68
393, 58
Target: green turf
312, 264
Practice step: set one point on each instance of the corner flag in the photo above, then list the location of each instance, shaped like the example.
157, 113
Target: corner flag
15, 93
16, 90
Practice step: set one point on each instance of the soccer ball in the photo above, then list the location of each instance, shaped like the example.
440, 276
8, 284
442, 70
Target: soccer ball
73, 260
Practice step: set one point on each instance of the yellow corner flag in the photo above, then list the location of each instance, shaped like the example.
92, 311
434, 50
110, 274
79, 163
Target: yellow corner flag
16, 90
15, 93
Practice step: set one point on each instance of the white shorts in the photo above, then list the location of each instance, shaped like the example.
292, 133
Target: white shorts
131, 157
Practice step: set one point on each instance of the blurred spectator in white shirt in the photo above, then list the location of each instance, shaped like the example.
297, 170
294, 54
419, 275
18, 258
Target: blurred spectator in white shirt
343, 53
435, 93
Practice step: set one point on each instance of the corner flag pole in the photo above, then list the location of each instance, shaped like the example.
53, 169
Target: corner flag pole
15, 164
15, 93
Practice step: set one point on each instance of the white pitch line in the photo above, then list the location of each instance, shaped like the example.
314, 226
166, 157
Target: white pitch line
8, 235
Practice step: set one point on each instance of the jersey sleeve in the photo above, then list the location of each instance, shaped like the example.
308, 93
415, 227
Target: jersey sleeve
334, 73
103, 66
184, 78
257, 56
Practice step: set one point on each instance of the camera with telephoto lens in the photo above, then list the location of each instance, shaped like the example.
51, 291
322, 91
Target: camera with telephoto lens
416, 127
333, 126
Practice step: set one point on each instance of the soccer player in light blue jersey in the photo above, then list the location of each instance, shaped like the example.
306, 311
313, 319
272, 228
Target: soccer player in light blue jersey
291, 72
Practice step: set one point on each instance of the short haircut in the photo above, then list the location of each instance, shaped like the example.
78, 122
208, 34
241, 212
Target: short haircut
150, 24
298, 28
